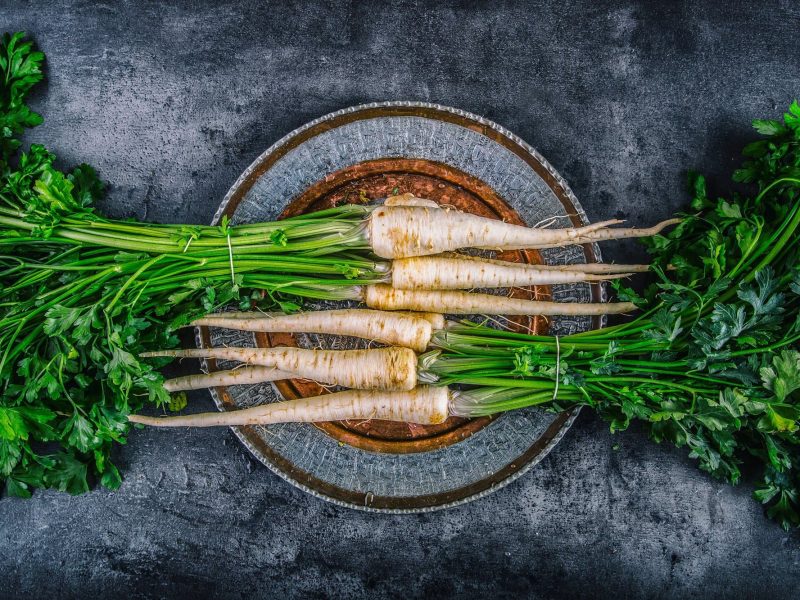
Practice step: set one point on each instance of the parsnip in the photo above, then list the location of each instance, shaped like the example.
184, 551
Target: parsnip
456, 272
398, 329
423, 405
612, 268
384, 297
435, 319
379, 368
404, 231
241, 376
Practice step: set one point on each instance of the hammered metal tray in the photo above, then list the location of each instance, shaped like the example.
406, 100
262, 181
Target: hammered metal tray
454, 158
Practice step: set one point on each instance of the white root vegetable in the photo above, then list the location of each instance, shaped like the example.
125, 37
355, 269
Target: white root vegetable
423, 405
436, 320
455, 272
598, 268
404, 231
378, 368
610, 268
410, 331
385, 297
241, 376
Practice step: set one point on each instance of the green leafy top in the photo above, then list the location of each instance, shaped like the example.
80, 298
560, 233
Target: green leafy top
713, 363
81, 296
20, 70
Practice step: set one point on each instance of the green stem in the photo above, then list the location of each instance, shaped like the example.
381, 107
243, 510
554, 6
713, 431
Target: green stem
130, 281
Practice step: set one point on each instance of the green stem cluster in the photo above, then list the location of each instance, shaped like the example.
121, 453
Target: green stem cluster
81, 296
145, 269
711, 364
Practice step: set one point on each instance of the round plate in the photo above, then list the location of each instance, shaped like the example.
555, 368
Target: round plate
454, 158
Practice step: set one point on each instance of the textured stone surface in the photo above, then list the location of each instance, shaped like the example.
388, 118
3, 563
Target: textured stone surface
172, 103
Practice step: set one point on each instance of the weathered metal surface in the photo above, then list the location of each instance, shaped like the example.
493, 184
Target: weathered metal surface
448, 156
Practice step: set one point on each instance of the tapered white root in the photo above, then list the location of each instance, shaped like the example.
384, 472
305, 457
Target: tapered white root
241, 376
398, 329
423, 405
598, 268
609, 268
405, 231
378, 368
384, 297
435, 319
454, 272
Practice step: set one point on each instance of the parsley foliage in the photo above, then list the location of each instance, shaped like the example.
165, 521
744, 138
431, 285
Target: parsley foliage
82, 296
713, 363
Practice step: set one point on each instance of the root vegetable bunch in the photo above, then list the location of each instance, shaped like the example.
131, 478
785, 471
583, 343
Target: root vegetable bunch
712, 364
81, 296
89, 307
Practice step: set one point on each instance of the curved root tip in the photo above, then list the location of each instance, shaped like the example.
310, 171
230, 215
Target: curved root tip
607, 276
664, 224
609, 223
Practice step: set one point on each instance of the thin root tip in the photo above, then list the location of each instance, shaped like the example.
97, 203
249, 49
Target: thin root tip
209, 318
658, 227
139, 419
152, 421
608, 276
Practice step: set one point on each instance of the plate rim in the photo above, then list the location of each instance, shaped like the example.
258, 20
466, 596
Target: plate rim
579, 213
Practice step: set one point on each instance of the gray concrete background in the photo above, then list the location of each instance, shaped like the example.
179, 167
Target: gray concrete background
171, 102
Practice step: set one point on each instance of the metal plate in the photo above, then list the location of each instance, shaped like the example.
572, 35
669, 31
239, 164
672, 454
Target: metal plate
455, 158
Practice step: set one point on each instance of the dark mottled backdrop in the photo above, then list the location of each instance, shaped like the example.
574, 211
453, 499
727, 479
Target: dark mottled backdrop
172, 102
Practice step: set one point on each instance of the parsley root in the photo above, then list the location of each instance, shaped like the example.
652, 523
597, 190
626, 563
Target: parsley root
399, 329
423, 405
240, 376
457, 272
378, 368
406, 231
385, 297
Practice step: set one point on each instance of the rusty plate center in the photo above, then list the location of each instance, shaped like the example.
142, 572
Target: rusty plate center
445, 185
